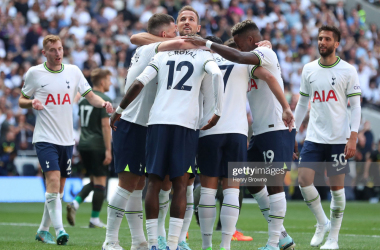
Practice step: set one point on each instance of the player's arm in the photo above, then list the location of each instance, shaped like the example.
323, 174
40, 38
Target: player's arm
217, 82
265, 75
146, 38
353, 93
149, 73
98, 102
178, 44
226, 52
27, 91
303, 101
350, 148
106, 130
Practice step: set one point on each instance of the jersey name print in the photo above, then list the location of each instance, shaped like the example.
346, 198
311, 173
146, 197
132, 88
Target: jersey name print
328, 88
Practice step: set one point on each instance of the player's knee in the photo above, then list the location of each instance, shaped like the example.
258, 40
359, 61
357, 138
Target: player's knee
304, 181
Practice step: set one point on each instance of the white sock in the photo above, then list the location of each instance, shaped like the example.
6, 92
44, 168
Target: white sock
229, 215
207, 215
115, 213
163, 199
95, 220
54, 206
188, 214
134, 215
45, 222
276, 217
151, 231
262, 199
76, 204
175, 227
337, 206
313, 201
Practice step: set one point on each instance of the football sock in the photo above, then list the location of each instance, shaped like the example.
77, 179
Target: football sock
83, 194
188, 213
175, 227
151, 230
45, 222
164, 206
276, 217
262, 199
313, 201
229, 215
115, 213
97, 200
337, 206
207, 215
54, 206
134, 215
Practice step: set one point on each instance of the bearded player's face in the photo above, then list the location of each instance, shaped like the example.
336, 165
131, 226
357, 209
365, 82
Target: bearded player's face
326, 43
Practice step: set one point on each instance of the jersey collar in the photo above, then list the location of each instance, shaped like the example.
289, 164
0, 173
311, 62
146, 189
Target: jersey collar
52, 71
329, 66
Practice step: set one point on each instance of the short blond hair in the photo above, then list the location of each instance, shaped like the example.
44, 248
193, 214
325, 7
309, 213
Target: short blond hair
99, 74
189, 8
50, 39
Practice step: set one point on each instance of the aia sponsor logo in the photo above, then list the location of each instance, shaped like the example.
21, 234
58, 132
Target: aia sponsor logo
252, 85
322, 97
58, 100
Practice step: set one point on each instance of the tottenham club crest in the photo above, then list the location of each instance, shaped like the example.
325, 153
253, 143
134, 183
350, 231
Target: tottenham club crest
333, 79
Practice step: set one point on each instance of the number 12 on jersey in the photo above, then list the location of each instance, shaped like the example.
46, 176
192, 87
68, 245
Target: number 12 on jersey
180, 85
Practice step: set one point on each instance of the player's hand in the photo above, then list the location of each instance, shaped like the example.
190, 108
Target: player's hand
264, 43
198, 41
211, 123
114, 117
295, 153
288, 118
108, 158
108, 107
37, 105
350, 149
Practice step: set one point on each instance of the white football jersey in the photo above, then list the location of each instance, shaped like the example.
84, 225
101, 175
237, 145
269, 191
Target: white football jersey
234, 116
266, 109
138, 110
56, 90
180, 75
328, 88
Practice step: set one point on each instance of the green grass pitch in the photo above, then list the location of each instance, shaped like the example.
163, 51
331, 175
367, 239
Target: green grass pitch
360, 229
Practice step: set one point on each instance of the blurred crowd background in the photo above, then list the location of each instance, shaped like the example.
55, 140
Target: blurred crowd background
96, 33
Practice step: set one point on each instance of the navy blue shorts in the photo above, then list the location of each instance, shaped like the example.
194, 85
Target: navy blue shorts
171, 150
274, 146
321, 157
216, 151
54, 157
129, 147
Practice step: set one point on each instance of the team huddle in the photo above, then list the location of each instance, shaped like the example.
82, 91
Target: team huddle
185, 106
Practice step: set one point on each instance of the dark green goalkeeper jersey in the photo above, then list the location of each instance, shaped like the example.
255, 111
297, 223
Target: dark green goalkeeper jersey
91, 137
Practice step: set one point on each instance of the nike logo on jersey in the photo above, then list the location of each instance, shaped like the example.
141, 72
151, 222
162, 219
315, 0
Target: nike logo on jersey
312, 81
44, 85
